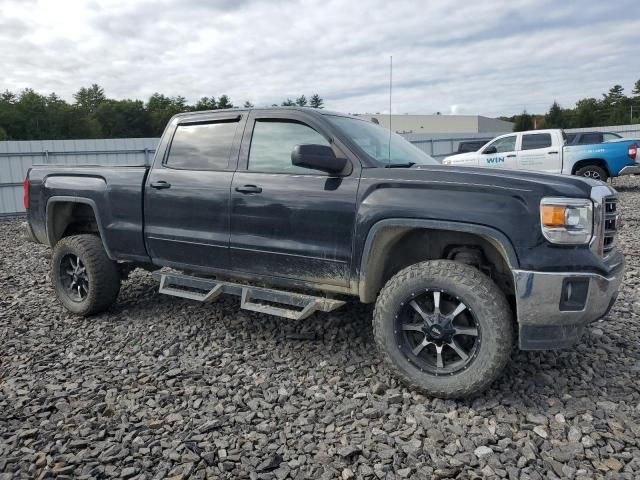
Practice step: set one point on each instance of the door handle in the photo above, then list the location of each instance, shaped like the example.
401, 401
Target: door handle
510, 156
553, 153
160, 184
249, 189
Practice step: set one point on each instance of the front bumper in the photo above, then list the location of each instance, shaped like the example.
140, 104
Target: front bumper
547, 320
630, 170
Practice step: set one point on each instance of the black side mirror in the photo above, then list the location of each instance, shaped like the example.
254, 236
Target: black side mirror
318, 157
490, 150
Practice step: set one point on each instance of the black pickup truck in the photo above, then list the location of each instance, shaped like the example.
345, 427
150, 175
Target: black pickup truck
296, 210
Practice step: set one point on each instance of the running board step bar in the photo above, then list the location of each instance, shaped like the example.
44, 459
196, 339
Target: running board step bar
295, 306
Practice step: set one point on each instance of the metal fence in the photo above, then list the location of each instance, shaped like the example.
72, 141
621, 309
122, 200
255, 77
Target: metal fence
17, 156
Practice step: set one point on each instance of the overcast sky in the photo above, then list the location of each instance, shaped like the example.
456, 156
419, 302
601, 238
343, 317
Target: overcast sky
485, 57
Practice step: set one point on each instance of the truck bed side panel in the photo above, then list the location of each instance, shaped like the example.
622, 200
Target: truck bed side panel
615, 154
114, 193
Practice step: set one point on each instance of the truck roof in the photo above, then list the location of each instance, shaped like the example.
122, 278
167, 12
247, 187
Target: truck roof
313, 111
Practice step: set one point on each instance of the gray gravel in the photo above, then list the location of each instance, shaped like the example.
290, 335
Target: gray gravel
161, 387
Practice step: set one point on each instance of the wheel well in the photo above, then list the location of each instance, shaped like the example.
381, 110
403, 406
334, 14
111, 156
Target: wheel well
398, 247
70, 218
591, 161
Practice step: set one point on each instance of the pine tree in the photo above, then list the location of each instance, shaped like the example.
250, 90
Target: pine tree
224, 102
555, 118
301, 101
316, 101
288, 103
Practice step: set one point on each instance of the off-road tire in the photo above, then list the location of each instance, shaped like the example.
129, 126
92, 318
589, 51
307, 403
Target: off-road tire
103, 274
593, 171
480, 294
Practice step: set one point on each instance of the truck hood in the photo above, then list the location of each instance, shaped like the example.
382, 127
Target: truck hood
461, 156
440, 176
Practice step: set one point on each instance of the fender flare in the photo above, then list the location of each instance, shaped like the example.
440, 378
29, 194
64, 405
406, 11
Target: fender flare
495, 237
72, 199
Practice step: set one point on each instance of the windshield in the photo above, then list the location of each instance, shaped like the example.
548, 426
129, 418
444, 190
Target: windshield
373, 140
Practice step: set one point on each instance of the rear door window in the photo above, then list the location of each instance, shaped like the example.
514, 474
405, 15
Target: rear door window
202, 146
534, 141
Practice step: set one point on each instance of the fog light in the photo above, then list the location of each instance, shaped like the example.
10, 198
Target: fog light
574, 293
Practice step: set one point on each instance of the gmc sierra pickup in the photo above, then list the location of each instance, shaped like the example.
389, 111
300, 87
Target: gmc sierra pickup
296, 210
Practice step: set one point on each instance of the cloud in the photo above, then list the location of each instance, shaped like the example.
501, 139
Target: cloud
491, 57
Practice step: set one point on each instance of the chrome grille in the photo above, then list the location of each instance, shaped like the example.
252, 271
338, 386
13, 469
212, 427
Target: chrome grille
609, 224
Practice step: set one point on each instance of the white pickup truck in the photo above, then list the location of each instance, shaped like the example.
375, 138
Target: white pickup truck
545, 151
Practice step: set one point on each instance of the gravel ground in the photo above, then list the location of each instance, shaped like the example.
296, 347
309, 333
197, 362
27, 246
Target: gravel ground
161, 387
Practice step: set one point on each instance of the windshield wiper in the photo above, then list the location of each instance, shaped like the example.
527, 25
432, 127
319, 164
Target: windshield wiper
400, 165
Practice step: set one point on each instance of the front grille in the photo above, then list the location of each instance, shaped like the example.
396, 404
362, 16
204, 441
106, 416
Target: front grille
609, 224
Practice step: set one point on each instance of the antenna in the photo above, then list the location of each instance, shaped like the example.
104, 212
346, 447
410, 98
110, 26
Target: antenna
390, 90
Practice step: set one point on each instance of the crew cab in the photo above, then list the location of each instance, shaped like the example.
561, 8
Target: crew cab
546, 151
297, 210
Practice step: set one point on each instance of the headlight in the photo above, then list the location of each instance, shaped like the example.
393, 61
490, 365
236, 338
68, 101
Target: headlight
566, 220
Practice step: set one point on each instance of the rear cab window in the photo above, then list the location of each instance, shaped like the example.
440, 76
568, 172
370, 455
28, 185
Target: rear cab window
202, 146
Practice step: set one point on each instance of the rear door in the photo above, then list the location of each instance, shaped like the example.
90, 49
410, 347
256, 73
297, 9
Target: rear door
288, 221
187, 193
537, 153
504, 155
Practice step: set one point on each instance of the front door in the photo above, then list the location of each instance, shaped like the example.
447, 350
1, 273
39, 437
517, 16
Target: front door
537, 153
289, 221
501, 153
187, 195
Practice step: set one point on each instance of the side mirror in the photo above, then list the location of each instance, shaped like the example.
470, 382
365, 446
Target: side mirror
317, 157
490, 150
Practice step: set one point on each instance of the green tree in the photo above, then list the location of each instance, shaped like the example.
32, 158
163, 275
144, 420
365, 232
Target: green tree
248, 104
3, 134
160, 109
224, 102
555, 117
523, 122
301, 101
636, 88
206, 103
316, 101
123, 118
11, 98
586, 113
89, 99
288, 103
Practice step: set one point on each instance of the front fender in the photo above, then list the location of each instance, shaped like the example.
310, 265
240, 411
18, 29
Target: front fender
382, 235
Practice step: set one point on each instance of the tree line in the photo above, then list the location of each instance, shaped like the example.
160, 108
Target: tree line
29, 115
614, 108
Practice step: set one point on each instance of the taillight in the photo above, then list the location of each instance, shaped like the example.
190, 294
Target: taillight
633, 151
25, 197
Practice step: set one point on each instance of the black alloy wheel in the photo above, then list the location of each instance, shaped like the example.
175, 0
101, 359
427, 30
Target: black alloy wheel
74, 278
437, 332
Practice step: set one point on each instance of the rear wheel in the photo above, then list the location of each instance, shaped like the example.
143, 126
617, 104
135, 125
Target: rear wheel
86, 281
444, 328
593, 171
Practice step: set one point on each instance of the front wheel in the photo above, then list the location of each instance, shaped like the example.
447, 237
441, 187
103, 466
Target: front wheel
86, 281
593, 171
444, 328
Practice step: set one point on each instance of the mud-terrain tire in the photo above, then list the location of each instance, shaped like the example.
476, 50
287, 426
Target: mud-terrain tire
97, 278
485, 310
593, 171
